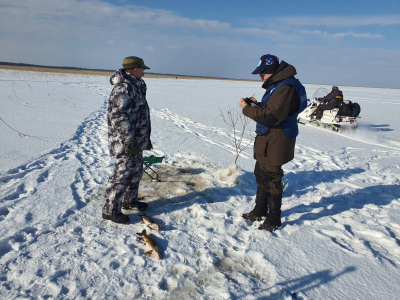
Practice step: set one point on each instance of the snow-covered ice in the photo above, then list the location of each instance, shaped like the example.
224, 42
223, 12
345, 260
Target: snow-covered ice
341, 213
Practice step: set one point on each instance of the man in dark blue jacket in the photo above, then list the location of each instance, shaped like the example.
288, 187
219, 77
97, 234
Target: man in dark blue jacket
276, 129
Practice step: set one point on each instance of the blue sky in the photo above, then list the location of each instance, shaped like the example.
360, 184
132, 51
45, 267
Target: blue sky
340, 43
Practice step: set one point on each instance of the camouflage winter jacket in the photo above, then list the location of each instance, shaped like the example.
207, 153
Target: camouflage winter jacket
128, 113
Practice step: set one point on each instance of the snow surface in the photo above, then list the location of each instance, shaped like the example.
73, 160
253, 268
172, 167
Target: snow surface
340, 237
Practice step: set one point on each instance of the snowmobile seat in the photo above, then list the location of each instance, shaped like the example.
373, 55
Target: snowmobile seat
148, 163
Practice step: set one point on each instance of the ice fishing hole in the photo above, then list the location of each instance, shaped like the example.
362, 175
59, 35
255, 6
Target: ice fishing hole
191, 171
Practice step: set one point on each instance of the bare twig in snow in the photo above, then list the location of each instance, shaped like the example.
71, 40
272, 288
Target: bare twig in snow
19, 133
234, 120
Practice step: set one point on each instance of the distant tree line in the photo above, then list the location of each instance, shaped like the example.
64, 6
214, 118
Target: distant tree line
98, 70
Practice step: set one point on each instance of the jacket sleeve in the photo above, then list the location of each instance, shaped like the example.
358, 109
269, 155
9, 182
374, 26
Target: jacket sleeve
277, 108
120, 107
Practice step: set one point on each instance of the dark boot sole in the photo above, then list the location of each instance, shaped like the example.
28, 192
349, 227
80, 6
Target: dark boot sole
251, 217
118, 221
269, 228
136, 208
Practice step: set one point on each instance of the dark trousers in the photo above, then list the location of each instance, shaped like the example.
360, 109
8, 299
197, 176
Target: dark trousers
123, 184
331, 104
269, 177
269, 193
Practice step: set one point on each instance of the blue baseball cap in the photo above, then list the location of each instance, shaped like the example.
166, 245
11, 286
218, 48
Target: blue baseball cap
268, 64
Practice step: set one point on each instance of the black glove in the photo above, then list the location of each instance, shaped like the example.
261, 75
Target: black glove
132, 148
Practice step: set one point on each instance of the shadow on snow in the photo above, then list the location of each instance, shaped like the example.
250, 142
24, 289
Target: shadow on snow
380, 195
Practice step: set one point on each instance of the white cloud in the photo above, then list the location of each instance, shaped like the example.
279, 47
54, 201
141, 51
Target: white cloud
342, 34
174, 47
60, 18
336, 21
164, 18
366, 35
257, 32
97, 34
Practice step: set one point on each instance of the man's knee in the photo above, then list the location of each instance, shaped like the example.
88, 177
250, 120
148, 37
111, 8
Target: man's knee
276, 188
269, 178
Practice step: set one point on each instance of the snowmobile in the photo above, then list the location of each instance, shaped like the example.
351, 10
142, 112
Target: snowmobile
337, 118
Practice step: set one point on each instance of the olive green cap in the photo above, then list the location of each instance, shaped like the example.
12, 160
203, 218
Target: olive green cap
132, 62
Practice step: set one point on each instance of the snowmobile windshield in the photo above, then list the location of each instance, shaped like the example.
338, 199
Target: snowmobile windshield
320, 93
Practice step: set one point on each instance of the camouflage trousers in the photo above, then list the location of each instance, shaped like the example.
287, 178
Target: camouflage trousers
123, 184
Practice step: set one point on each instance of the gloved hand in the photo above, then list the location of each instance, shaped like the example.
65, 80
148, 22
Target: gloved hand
132, 148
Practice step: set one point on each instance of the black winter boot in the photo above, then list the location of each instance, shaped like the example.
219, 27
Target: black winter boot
261, 208
118, 218
273, 220
136, 206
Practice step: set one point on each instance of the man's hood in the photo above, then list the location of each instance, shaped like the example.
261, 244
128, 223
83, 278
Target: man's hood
121, 76
284, 71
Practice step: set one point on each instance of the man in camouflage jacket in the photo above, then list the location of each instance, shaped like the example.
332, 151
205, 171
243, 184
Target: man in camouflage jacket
128, 135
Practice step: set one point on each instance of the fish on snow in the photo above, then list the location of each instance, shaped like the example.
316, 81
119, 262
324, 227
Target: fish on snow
150, 243
149, 222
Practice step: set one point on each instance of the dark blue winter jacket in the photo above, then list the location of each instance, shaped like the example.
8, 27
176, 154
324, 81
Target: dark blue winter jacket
289, 125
